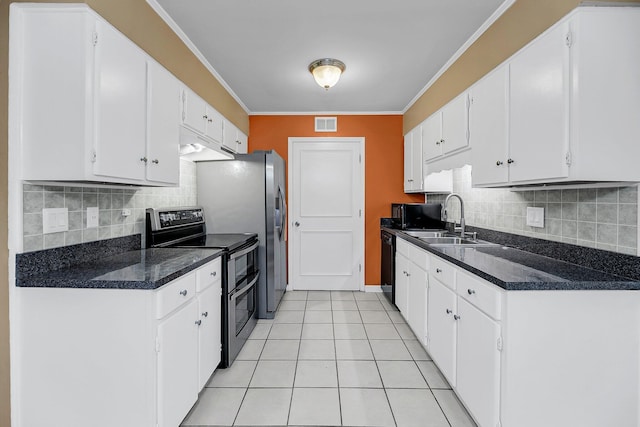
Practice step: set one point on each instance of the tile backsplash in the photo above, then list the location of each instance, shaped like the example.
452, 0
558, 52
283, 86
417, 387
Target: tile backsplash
603, 218
110, 201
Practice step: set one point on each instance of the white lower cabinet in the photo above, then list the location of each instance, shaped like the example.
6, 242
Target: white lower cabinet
478, 363
177, 364
209, 332
402, 284
442, 329
117, 357
417, 300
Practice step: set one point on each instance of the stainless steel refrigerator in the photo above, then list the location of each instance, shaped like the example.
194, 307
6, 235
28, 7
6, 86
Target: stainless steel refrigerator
248, 195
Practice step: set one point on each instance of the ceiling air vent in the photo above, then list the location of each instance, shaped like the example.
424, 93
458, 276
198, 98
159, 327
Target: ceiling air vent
326, 124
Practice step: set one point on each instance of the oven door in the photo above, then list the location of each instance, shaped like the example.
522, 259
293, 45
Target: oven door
242, 297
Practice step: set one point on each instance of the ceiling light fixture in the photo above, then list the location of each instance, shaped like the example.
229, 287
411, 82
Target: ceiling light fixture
327, 71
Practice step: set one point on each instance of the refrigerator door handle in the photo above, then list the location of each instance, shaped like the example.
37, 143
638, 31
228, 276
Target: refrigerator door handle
283, 215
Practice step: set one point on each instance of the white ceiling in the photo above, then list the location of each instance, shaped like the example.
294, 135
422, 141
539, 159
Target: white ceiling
392, 48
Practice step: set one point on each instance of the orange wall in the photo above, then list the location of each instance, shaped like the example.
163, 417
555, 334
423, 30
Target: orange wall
383, 165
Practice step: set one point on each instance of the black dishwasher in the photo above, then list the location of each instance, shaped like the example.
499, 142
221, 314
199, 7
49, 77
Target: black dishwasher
388, 263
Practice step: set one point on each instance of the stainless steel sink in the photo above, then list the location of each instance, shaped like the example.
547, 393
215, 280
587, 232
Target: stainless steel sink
448, 241
427, 234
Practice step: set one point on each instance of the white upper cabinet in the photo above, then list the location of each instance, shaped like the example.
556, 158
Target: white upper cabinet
233, 139
201, 117
119, 105
83, 100
573, 105
539, 107
413, 161
488, 128
194, 111
432, 137
163, 133
447, 130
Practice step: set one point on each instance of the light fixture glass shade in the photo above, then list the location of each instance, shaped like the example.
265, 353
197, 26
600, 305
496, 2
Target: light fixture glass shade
326, 72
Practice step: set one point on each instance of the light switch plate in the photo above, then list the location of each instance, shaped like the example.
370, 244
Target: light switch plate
55, 220
92, 217
535, 217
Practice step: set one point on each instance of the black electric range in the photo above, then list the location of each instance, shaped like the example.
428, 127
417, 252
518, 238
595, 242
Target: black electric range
186, 228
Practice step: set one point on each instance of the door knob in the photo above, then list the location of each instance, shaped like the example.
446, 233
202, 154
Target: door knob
297, 224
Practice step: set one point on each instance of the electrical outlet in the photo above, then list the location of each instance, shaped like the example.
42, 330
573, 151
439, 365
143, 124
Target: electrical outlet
92, 217
535, 217
126, 212
55, 220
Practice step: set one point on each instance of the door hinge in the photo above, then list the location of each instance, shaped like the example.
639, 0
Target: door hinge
499, 344
95, 38
359, 158
567, 158
94, 155
568, 39
360, 213
157, 344
360, 268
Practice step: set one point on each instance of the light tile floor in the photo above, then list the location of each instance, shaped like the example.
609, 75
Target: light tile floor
330, 359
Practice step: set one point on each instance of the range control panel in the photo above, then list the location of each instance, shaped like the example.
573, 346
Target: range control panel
174, 217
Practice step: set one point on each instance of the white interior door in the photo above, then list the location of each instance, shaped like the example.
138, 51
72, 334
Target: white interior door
326, 198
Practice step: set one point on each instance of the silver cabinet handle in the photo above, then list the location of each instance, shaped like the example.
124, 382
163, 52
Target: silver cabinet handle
205, 314
456, 317
205, 117
297, 224
143, 159
510, 161
437, 142
213, 273
198, 322
210, 120
183, 292
155, 161
449, 311
499, 163
438, 270
442, 141
471, 291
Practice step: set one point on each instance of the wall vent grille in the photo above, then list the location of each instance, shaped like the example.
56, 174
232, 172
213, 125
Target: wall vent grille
326, 124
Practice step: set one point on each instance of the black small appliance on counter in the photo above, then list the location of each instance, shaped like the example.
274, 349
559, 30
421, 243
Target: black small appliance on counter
420, 216
404, 216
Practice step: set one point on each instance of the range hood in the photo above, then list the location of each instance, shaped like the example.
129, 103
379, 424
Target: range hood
193, 147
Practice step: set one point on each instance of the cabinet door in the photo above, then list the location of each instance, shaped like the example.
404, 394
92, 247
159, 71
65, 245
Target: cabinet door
408, 163
488, 129
442, 328
120, 106
478, 364
194, 110
402, 267
213, 128
432, 137
539, 108
177, 365
455, 124
209, 330
242, 143
416, 160
229, 135
417, 301
163, 132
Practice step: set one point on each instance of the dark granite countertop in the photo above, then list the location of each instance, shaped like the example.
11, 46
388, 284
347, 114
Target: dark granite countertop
515, 269
132, 269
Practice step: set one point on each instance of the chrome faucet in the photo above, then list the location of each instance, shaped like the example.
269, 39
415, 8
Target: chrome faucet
444, 212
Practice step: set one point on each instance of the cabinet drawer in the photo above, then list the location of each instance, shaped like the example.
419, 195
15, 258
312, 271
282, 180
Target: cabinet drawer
479, 293
174, 294
208, 274
443, 271
419, 256
402, 247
